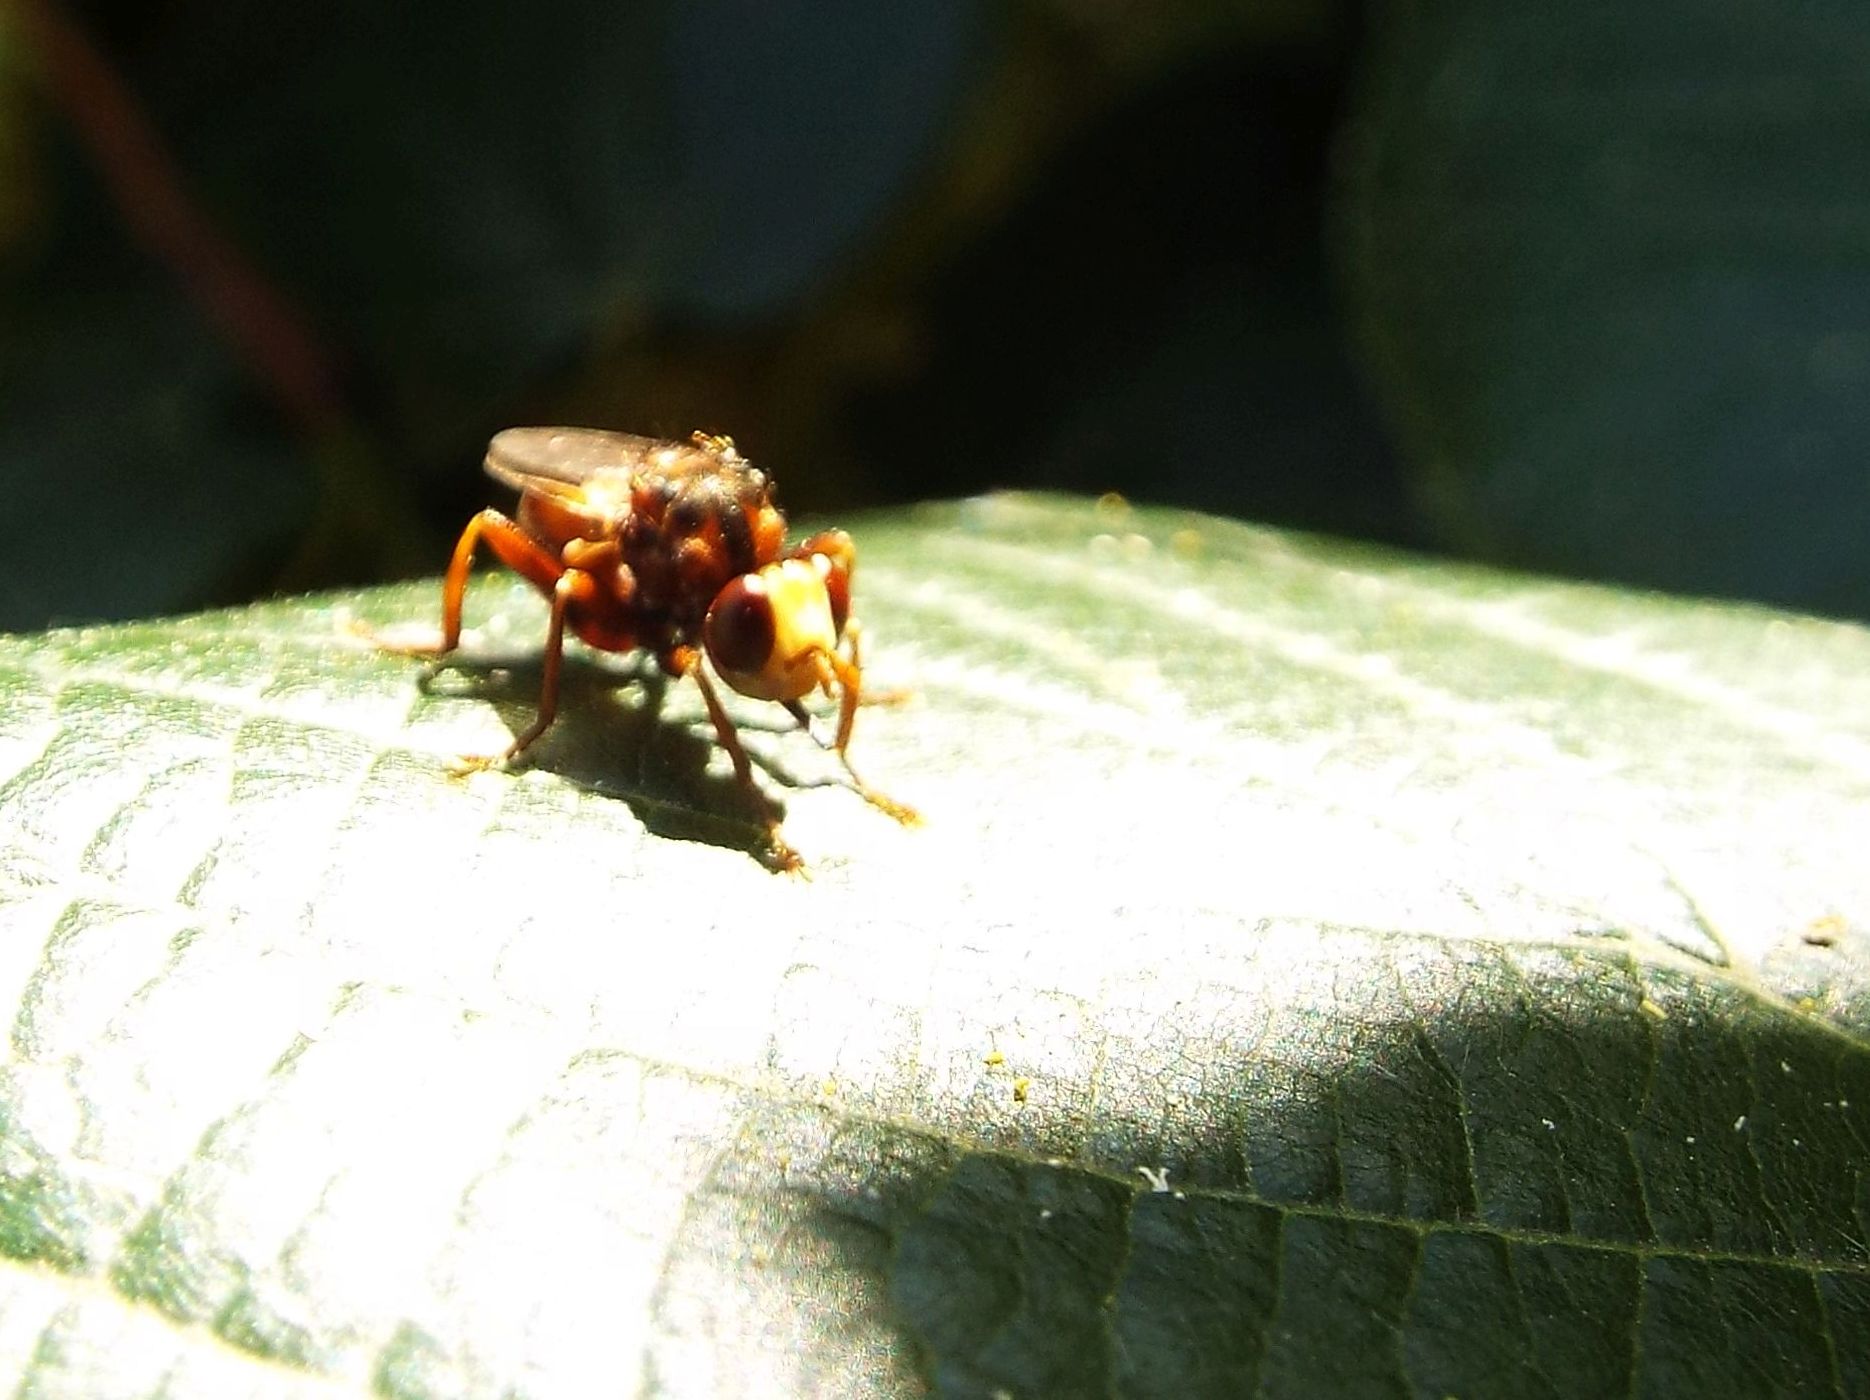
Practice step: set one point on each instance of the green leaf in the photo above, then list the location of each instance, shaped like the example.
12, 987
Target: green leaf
1320, 972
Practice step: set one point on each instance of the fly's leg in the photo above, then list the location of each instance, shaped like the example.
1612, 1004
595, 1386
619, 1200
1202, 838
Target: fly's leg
900, 695
574, 586
848, 673
847, 710
689, 664
525, 556
804, 717
512, 546
851, 686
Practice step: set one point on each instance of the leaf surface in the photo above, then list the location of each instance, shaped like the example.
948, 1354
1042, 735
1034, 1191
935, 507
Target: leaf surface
1321, 971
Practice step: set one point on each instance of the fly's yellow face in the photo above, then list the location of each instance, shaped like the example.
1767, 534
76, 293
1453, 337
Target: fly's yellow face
769, 632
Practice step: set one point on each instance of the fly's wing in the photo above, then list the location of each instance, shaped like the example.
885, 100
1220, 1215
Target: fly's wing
585, 471
550, 459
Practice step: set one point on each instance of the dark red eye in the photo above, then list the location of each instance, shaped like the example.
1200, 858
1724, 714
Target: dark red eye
739, 630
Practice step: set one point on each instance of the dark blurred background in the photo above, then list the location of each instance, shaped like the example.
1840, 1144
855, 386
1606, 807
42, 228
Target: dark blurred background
1579, 288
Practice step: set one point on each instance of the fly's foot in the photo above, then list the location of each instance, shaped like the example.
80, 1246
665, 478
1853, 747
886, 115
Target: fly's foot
467, 764
901, 811
782, 858
907, 815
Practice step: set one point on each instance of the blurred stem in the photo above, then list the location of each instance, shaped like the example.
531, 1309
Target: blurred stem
364, 523
147, 189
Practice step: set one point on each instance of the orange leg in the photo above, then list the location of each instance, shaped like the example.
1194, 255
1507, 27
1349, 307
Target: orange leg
520, 552
512, 546
690, 665
851, 686
573, 586
848, 672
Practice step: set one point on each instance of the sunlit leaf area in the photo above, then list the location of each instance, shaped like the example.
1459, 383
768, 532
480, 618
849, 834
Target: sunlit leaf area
1319, 972
1362, 549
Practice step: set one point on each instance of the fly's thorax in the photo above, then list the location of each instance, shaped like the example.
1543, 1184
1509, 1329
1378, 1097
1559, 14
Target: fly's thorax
691, 533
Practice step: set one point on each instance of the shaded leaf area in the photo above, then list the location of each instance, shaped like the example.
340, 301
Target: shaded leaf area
1322, 971
1609, 266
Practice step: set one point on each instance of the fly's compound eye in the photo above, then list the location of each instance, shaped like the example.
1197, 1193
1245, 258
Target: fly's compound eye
740, 628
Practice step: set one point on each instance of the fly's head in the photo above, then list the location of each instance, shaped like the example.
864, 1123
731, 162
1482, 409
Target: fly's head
771, 633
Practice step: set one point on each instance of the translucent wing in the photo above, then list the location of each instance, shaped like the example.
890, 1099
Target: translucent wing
560, 462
